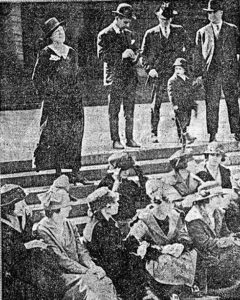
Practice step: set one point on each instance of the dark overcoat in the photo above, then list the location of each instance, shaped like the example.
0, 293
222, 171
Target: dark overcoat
205, 46
160, 53
110, 46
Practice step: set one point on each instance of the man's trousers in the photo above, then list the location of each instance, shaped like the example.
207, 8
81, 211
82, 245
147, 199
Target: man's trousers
122, 91
213, 84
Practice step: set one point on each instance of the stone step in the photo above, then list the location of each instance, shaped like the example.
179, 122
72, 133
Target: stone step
97, 172
156, 151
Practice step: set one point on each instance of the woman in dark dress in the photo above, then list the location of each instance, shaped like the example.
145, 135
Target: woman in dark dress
62, 122
109, 250
28, 266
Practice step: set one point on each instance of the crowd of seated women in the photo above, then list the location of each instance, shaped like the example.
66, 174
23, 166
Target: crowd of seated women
165, 238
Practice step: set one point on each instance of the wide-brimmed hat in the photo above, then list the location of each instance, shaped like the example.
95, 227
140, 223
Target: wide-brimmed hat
121, 160
58, 195
179, 155
215, 148
51, 25
165, 10
208, 190
180, 61
214, 5
11, 194
100, 198
125, 10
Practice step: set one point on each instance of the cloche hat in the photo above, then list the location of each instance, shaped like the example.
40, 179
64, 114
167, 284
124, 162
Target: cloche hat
51, 25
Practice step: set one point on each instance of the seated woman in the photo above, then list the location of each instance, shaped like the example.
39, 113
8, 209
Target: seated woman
232, 214
183, 183
24, 275
212, 169
120, 167
219, 250
82, 278
165, 243
107, 247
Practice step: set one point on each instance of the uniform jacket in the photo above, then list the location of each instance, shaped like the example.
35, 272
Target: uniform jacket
182, 188
160, 53
205, 175
181, 93
205, 45
110, 46
205, 238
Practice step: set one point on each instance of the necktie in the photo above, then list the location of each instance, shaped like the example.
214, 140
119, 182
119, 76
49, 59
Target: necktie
217, 30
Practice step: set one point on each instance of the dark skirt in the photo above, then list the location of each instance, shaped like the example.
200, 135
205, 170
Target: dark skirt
60, 144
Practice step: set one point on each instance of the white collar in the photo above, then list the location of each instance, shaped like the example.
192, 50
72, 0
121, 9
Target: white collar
12, 222
219, 24
115, 27
184, 77
66, 50
163, 29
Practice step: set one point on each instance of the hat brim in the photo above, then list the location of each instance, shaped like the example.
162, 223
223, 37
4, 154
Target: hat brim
122, 15
209, 196
208, 9
48, 34
209, 152
174, 13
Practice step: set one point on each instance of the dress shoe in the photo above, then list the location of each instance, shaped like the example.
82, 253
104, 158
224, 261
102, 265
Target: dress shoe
132, 143
117, 145
77, 178
237, 137
154, 138
212, 137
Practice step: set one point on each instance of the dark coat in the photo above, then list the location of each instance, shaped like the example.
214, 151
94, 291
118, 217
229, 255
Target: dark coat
160, 53
57, 83
181, 93
109, 250
130, 193
205, 46
27, 272
110, 46
205, 175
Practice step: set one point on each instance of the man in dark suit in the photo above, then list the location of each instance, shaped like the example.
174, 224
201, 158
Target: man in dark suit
216, 65
117, 48
161, 46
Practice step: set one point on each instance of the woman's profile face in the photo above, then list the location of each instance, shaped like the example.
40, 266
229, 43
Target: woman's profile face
65, 211
58, 35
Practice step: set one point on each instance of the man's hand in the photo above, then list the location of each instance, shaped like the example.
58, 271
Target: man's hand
129, 53
153, 73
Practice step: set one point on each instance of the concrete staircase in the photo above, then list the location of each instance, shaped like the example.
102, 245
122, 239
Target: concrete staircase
153, 161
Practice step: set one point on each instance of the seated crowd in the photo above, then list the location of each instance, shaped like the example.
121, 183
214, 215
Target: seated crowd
146, 238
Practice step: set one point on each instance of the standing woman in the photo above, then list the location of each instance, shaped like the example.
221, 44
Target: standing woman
62, 122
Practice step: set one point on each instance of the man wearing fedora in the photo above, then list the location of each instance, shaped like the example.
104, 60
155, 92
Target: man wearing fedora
216, 65
117, 48
161, 46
